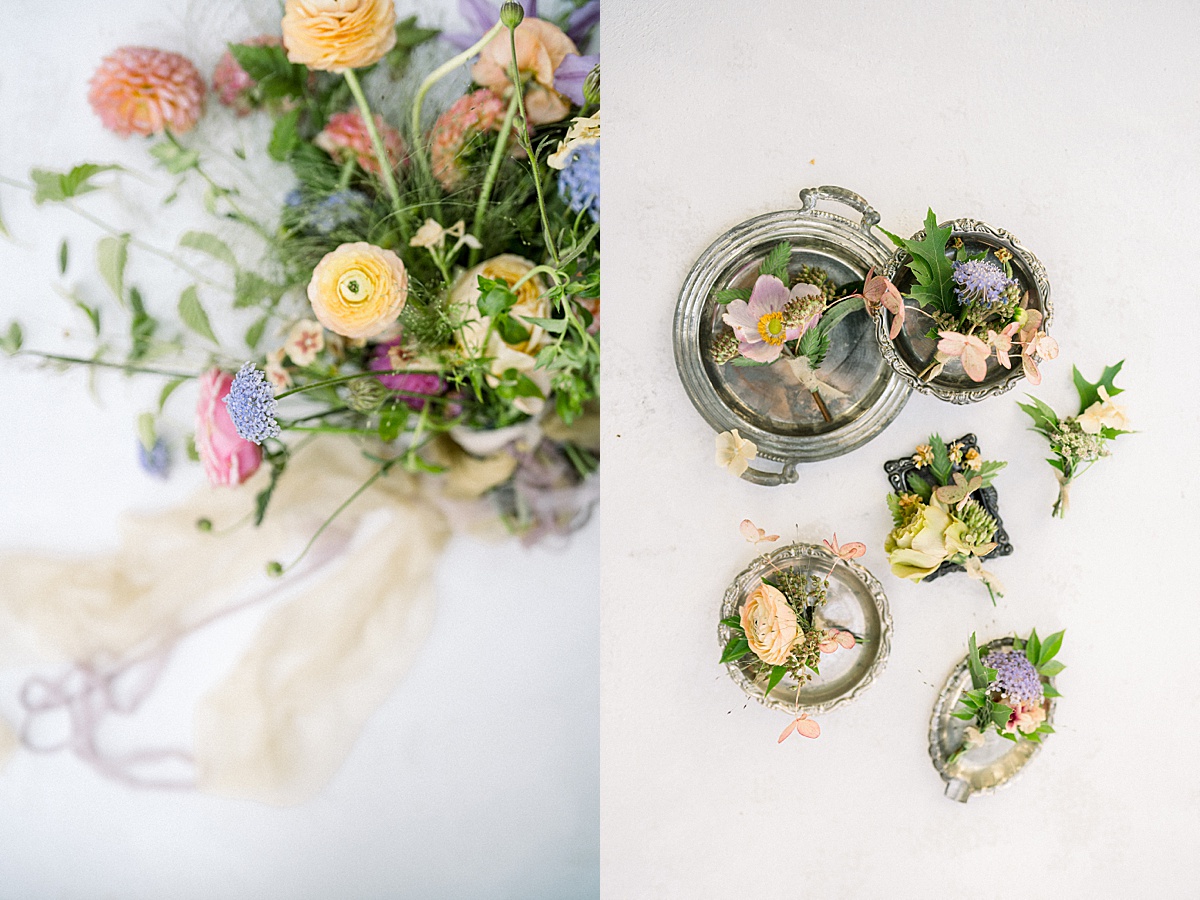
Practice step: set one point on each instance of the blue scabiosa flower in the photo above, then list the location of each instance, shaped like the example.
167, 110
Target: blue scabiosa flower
251, 404
579, 181
1017, 681
155, 461
981, 284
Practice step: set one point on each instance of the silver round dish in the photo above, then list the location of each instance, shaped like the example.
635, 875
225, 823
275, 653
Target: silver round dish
855, 603
767, 404
912, 352
981, 770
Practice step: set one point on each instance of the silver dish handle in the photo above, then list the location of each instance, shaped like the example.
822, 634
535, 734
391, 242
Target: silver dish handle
787, 475
810, 196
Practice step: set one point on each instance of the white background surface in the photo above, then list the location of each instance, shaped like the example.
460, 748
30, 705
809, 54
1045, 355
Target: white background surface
1073, 125
477, 779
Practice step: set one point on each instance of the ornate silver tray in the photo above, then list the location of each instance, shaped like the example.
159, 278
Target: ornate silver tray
912, 352
767, 405
855, 603
981, 769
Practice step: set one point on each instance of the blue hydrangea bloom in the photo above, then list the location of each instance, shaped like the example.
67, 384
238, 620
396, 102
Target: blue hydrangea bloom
337, 209
1016, 678
251, 404
579, 181
980, 283
155, 461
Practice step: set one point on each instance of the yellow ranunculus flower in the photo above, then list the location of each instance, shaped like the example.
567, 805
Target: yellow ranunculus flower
358, 290
335, 35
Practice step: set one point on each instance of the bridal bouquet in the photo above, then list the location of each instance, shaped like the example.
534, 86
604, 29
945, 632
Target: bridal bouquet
429, 289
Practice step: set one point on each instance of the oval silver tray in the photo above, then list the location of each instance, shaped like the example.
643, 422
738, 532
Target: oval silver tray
911, 352
766, 404
981, 770
855, 603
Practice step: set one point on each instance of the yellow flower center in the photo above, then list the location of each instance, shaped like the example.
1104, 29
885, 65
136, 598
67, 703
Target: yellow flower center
770, 328
354, 287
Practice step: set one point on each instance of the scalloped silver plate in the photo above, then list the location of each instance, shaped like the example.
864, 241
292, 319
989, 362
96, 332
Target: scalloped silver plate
856, 603
980, 770
911, 352
767, 405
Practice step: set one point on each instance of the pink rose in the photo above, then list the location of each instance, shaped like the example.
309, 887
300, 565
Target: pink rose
227, 457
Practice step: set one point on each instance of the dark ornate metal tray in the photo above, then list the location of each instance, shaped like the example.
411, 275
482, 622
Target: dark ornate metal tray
898, 471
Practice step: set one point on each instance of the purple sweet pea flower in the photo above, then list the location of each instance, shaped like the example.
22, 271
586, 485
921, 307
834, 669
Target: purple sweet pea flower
410, 382
481, 16
582, 21
570, 75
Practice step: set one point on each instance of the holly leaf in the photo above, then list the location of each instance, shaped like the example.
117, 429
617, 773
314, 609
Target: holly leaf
932, 269
1089, 393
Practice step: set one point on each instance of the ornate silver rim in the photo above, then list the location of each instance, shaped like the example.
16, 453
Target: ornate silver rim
1025, 260
946, 702
746, 581
796, 226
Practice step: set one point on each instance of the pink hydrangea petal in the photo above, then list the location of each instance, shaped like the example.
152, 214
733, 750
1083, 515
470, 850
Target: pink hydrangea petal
808, 728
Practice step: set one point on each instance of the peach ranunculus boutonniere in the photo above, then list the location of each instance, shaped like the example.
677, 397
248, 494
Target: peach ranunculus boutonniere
336, 35
358, 289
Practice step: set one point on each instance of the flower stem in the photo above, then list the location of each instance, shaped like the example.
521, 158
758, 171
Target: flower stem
523, 131
434, 77
493, 168
342, 379
381, 157
105, 364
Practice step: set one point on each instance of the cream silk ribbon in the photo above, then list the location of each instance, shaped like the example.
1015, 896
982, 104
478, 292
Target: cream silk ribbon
345, 627
808, 379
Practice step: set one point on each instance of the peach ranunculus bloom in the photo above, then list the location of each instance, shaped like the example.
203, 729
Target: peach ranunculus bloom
335, 35
475, 328
770, 625
346, 135
140, 90
541, 48
358, 290
227, 457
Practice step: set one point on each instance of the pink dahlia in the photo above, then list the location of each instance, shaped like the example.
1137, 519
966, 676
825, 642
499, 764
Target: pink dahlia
140, 90
468, 116
232, 84
346, 135
760, 325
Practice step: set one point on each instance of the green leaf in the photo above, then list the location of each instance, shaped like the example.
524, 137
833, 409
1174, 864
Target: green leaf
1089, 393
391, 421
53, 187
941, 467
732, 622
550, 326
777, 673
743, 362
285, 136
510, 330
932, 270
525, 386
251, 289
111, 255
737, 647
893, 503
4, 232
63, 257
728, 295
263, 498
814, 344
1044, 418
193, 314
11, 340
1050, 647
1001, 714
978, 679
1046, 728
777, 261
255, 332
965, 715
210, 244
920, 486
174, 158
1051, 668
989, 469
1050, 691
168, 390
495, 297
1033, 647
